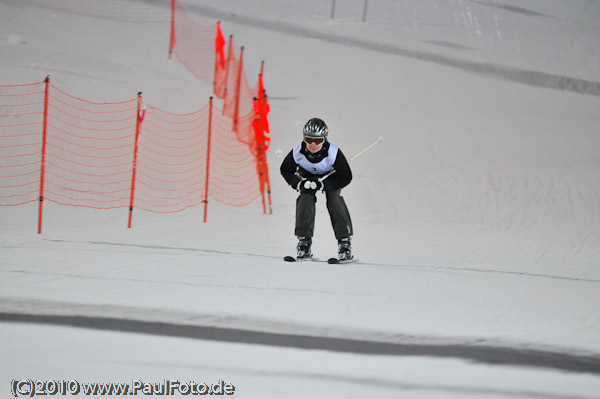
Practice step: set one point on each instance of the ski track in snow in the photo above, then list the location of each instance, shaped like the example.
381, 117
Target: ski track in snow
363, 262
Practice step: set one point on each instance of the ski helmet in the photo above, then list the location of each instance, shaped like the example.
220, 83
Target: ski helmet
315, 127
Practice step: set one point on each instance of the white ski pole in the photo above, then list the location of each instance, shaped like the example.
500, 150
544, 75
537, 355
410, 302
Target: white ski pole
379, 139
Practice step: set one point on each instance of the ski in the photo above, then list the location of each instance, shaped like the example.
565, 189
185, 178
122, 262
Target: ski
336, 261
295, 259
331, 261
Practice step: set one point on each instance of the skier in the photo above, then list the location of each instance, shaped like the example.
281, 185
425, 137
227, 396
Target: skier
303, 169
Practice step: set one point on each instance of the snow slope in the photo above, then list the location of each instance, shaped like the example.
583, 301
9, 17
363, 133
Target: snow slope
477, 220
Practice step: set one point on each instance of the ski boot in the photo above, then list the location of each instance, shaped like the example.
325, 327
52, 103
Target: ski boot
303, 248
345, 249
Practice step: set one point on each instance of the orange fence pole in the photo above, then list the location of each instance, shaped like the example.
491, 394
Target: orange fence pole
43, 160
260, 149
267, 180
173, 36
238, 89
210, 113
266, 165
268, 189
138, 127
229, 53
215, 70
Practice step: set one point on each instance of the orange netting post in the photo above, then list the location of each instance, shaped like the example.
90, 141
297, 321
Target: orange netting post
43, 161
210, 114
173, 36
260, 149
238, 89
266, 145
222, 64
263, 137
138, 126
230, 57
260, 127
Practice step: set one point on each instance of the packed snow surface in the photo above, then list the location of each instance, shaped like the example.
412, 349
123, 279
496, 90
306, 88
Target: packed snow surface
477, 220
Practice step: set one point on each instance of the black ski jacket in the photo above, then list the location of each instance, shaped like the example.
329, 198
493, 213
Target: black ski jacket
336, 181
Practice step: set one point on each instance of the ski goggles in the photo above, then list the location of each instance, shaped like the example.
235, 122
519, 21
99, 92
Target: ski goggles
314, 140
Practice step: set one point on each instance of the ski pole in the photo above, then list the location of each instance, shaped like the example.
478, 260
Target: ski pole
379, 139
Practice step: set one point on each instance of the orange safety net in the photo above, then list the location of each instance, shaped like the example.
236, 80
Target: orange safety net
233, 161
60, 148
195, 45
247, 106
201, 49
238, 94
89, 151
64, 149
21, 132
172, 160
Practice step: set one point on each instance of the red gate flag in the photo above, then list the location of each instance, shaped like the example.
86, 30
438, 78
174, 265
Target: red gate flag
220, 46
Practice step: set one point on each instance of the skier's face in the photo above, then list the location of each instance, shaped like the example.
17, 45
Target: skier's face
314, 144
314, 147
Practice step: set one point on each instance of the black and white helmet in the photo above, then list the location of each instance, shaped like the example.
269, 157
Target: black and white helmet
315, 127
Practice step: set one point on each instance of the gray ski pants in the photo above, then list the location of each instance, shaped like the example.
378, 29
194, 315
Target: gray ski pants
338, 213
